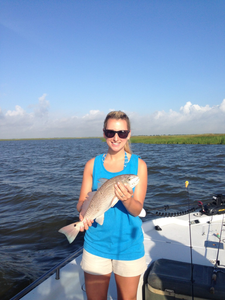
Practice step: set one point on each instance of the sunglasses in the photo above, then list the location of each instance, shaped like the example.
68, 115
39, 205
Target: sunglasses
123, 134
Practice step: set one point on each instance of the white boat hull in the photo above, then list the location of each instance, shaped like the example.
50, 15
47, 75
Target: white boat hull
171, 242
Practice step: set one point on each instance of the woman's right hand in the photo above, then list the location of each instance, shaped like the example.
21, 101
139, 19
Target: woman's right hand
87, 223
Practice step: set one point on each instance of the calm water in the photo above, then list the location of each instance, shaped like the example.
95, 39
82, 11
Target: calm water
39, 188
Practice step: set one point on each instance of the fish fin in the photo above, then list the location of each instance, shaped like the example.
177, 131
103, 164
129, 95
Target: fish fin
142, 213
86, 202
114, 201
101, 181
71, 231
100, 220
90, 195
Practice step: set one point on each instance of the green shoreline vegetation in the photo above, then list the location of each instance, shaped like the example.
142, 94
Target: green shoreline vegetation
201, 139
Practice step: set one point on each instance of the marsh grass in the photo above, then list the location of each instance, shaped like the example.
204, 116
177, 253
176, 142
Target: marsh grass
203, 139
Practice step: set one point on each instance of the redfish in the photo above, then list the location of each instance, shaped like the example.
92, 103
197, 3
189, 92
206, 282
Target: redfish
97, 203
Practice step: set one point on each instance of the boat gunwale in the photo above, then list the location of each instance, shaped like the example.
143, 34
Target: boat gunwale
55, 269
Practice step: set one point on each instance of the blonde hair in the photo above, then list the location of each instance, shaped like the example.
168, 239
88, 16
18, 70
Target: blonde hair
119, 115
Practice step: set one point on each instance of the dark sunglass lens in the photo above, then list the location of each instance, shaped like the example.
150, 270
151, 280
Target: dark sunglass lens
123, 134
109, 133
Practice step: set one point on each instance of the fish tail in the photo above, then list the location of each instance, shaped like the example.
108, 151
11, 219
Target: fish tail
71, 231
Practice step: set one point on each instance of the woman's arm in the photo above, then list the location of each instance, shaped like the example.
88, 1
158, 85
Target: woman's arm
134, 201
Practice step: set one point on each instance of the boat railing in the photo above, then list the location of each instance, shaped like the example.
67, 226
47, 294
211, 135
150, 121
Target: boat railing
55, 269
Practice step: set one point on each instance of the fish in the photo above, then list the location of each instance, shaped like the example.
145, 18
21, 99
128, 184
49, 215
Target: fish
98, 202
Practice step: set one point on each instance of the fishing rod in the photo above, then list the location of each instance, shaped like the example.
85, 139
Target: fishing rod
217, 262
166, 207
162, 211
217, 206
191, 250
219, 236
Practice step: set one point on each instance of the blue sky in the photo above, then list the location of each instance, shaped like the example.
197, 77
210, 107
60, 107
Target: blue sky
65, 64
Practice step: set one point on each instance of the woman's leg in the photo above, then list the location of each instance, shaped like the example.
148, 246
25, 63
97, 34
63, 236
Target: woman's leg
127, 287
96, 286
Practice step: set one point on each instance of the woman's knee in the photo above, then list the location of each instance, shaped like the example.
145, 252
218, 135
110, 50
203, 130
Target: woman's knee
96, 286
127, 287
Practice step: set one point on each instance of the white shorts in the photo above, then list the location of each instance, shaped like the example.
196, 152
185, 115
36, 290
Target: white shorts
96, 265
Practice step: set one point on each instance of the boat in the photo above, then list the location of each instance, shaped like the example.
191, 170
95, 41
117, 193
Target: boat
185, 255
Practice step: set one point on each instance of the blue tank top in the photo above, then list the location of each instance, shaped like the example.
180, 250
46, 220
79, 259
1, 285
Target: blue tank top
120, 237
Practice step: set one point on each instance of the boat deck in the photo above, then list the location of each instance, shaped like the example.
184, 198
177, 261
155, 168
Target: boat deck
171, 242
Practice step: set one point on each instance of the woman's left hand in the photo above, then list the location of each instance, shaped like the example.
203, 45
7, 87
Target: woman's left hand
123, 192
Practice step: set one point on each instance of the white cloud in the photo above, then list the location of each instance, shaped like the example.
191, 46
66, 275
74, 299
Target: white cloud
191, 118
188, 108
41, 109
91, 115
17, 112
222, 106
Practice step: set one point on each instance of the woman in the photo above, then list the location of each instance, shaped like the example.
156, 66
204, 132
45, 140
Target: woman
117, 245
